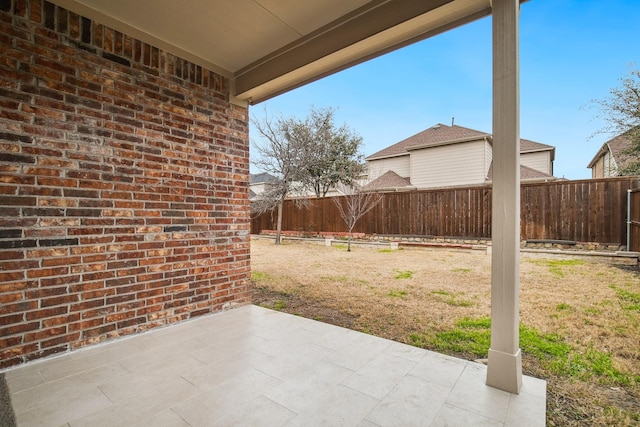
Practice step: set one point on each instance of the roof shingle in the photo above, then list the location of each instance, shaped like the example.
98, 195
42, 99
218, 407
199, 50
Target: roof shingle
387, 180
526, 174
442, 134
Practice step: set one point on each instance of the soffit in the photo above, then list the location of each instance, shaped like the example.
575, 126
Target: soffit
268, 47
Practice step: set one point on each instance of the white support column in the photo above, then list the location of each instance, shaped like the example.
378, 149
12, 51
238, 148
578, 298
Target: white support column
505, 363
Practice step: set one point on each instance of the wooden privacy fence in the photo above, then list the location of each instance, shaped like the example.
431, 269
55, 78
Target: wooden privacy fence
593, 210
634, 220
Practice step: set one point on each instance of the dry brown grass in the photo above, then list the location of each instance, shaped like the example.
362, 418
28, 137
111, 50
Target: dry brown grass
590, 305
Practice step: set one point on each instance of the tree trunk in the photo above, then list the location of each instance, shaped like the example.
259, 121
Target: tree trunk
279, 225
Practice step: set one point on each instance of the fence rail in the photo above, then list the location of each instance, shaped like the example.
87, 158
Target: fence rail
591, 210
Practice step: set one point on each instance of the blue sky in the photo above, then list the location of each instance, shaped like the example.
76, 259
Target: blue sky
571, 52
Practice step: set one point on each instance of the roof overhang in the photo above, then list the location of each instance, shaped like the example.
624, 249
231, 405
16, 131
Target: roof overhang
541, 150
484, 138
390, 156
372, 30
601, 152
267, 47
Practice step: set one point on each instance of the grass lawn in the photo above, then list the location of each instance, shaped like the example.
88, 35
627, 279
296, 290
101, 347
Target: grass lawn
580, 319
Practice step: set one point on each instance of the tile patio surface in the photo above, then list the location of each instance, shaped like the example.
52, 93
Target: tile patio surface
252, 366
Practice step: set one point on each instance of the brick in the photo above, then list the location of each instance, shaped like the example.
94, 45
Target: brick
58, 242
87, 333
57, 182
6, 136
16, 158
45, 232
41, 334
59, 300
42, 172
45, 292
131, 322
42, 212
49, 252
11, 255
9, 295
18, 265
10, 342
19, 329
100, 293
47, 312
17, 200
40, 191
14, 233
96, 240
60, 320
119, 316
99, 275
54, 344
45, 272
81, 193
47, 352
120, 299
11, 276
86, 306
83, 212
20, 306
59, 280
61, 261
87, 324
74, 25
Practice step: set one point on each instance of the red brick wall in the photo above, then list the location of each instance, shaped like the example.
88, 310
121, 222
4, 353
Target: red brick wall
123, 185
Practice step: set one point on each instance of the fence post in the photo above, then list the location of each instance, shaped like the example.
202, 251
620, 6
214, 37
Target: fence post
629, 219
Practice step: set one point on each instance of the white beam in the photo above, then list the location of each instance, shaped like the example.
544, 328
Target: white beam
505, 364
377, 28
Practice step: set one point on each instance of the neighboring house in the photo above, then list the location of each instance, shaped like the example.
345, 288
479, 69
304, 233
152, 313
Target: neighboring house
446, 156
610, 158
257, 183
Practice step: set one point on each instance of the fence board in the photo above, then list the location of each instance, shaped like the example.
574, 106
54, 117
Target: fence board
583, 211
634, 225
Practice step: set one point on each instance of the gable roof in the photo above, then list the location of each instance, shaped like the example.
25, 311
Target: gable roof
258, 178
616, 146
388, 180
528, 146
441, 134
436, 135
526, 174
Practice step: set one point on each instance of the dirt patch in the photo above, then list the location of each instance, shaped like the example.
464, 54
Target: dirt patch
413, 295
310, 309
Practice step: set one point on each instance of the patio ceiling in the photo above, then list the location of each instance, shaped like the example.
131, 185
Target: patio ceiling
267, 47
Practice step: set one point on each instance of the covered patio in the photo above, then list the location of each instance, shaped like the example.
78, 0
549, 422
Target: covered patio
162, 237
251, 366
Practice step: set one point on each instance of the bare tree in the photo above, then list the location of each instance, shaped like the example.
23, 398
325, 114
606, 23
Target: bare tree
303, 155
621, 111
354, 205
284, 158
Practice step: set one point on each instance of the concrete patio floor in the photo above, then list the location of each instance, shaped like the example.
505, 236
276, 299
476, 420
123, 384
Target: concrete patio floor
251, 366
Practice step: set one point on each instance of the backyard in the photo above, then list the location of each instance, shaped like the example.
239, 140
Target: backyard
580, 319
